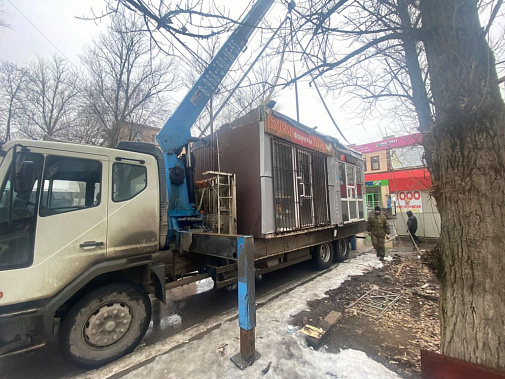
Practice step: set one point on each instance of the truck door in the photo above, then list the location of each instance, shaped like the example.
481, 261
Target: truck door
134, 206
71, 226
18, 213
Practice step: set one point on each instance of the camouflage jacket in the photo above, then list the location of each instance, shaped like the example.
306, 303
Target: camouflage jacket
378, 225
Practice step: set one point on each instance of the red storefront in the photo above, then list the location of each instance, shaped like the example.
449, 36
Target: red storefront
402, 181
407, 180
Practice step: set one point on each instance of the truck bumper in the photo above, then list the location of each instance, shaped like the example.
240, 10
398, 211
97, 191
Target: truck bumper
23, 329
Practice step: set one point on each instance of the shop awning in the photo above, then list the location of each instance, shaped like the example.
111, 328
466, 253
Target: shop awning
405, 180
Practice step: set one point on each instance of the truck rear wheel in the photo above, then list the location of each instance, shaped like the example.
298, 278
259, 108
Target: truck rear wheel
324, 255
342, 249
105, 324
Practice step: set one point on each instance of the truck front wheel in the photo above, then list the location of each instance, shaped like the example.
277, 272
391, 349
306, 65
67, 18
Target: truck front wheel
324, 255
105, 324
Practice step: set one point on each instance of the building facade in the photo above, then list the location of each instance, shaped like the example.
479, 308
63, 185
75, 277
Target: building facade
397, 181
131, 131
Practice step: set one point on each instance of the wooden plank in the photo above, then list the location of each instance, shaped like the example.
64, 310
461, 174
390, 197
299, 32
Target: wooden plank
323, 328
312, 331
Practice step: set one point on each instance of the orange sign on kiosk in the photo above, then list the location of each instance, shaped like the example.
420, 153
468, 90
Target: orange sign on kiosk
284, 130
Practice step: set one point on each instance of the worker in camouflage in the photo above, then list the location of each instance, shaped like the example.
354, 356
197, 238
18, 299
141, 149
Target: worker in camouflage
378, 228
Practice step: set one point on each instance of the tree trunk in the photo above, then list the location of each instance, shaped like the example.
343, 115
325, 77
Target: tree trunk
465, 152
8, 126
113, 134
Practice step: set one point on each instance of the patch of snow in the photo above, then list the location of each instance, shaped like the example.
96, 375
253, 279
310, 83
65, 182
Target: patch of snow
317, 288
356, 364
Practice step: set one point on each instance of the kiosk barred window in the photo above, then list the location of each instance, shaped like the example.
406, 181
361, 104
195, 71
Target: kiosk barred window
300, 187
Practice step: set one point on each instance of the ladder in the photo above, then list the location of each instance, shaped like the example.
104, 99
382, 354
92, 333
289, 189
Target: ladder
222, 200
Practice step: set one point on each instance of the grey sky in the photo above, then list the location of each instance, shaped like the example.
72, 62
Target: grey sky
32, 21
46, 27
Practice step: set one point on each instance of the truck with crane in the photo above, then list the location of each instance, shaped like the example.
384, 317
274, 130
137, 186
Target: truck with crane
141, 220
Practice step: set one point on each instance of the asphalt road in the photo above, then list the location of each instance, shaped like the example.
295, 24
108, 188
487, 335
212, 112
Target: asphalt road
186, 306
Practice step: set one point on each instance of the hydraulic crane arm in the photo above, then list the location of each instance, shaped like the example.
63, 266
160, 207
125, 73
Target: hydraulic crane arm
176, 132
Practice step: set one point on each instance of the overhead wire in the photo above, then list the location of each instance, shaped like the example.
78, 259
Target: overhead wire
277, 76
281, 62
307, 56
243, 110
241, 66
40, 32
294, 72
319, 92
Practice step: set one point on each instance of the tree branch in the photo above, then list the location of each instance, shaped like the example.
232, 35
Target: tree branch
494, 13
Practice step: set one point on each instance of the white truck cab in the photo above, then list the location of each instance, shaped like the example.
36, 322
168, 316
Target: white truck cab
66, 209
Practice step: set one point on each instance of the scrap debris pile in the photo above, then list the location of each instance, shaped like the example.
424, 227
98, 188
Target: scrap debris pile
389, 313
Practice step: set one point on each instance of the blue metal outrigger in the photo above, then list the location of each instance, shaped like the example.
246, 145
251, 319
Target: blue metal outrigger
176, 133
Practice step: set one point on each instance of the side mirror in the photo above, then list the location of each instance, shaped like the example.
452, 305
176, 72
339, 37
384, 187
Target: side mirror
25, 177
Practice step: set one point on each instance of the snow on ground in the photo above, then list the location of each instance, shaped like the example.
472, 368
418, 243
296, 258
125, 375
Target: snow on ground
316, 289
290, 357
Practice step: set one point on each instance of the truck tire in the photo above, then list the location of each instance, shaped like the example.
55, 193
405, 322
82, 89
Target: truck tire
324, 255
122, 312
342, 249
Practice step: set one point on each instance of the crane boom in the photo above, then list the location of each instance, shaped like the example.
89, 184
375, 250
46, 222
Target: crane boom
176, 132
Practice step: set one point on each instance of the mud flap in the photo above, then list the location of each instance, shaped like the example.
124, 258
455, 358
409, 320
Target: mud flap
159, 283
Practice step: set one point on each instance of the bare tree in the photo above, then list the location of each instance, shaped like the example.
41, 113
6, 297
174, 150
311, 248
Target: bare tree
85, 129
465, 151
464, 139
12, 80
195, 18
128, 79
49, 98
367, 51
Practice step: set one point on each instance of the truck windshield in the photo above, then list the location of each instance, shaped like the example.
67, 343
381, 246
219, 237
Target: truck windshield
18, 212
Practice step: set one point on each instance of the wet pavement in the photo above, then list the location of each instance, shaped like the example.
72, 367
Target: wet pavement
186, 306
